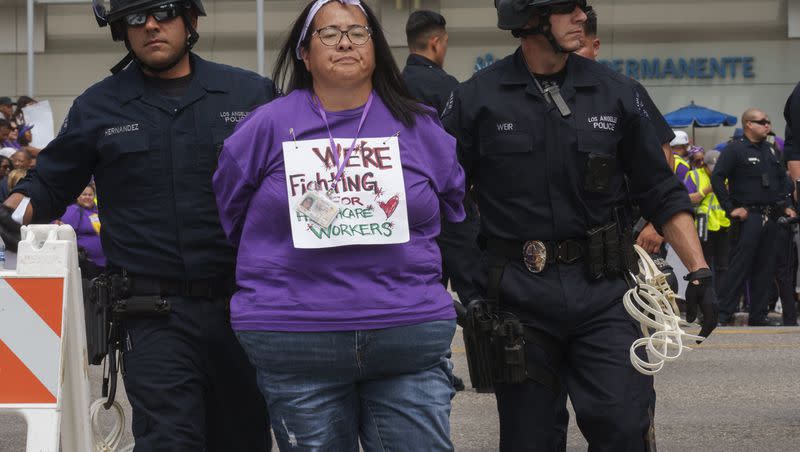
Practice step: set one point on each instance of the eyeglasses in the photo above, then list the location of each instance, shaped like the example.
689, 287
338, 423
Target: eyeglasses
568, 7
160, 14
332, 36
763, 122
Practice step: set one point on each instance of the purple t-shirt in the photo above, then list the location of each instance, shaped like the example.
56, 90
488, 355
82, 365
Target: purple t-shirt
78, 217
282, 288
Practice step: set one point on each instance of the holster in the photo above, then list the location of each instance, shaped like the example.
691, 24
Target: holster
508, 351
476, 326
496, 341
97, 309
110, 304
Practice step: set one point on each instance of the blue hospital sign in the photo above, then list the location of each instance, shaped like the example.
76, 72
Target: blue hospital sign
700, 68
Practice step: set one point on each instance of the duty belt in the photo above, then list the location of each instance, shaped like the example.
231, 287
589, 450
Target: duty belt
221, 287
536, 254
763, 208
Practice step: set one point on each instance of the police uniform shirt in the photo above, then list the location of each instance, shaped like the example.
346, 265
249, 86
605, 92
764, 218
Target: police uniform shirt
427, 82
791, 113
152, 158
755, 175
531, 165
649, 110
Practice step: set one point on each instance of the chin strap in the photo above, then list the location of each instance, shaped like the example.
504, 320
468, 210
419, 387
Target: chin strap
544, 29
652, 303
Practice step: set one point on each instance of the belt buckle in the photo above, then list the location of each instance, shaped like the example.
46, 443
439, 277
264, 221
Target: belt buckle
534, 254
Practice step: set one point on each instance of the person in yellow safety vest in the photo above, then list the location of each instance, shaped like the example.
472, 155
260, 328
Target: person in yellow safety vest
710, 217
680, 148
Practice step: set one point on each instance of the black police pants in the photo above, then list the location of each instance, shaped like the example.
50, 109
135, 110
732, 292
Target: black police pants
594, 332
190, 384
785, 273
753, 247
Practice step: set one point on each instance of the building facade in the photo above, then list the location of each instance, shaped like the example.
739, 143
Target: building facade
724, 54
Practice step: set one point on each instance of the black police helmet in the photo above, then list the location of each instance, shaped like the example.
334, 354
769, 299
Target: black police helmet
514, 14
121, 8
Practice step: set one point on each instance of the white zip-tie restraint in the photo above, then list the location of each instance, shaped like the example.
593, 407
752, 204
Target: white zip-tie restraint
652, 303
109, 443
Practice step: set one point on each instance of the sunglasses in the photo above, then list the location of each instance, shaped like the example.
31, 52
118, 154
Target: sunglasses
763, 122
160, 14
568, 7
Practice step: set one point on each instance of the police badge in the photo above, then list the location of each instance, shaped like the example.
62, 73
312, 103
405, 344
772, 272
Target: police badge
534, 254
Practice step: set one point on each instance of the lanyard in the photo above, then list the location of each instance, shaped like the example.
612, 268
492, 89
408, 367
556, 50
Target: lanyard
340, 166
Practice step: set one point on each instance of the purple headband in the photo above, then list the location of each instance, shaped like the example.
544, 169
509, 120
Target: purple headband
313, 12
695, 149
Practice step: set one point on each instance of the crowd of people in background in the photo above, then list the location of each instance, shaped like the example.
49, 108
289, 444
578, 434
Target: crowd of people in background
763, 262
301, 347
427, 81
17, 155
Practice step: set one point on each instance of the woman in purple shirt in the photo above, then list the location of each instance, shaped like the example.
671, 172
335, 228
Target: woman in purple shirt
333, 195
82, 216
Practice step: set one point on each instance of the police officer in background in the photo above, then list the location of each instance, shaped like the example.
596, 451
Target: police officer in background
545, 138
150, 135
791, 147
430, 84
427, 42
756, 194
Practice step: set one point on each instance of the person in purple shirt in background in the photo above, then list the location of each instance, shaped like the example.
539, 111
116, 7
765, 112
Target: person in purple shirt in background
83, 218
333, 195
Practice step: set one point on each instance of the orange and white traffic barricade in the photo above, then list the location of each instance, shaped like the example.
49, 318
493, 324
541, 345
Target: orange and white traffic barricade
43, 362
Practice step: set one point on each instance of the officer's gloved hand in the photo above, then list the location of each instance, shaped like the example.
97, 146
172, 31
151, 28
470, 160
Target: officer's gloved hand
700, 294
10, 230
461, 313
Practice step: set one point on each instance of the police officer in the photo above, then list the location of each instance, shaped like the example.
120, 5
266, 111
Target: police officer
791, 146
430, 84
791, 155
427, 42
756, 194
647, 237
150, 135
546, 137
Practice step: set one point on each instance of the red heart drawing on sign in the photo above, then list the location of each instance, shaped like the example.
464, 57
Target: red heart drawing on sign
390, 206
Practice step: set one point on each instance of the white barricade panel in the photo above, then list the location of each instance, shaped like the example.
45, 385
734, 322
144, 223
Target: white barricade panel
43, 364
31, 321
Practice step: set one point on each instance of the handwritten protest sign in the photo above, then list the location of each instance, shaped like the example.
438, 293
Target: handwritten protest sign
370, 195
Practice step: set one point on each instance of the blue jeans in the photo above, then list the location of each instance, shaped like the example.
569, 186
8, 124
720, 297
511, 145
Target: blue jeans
390, 388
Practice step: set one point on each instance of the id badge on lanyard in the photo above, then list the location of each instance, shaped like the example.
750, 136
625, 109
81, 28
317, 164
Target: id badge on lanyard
318, 205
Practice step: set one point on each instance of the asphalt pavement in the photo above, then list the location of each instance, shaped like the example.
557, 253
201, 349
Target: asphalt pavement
740, 391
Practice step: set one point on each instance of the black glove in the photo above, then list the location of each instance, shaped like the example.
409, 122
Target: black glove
701, 294
9, 229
